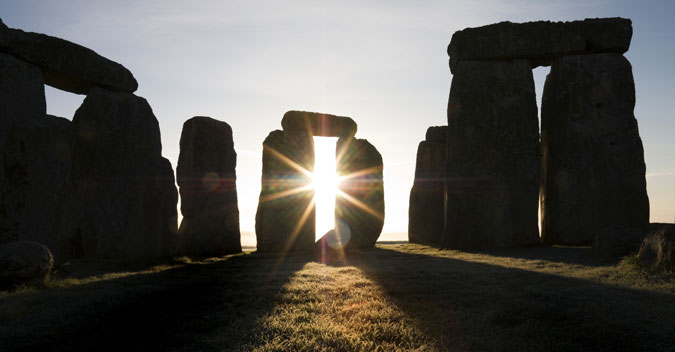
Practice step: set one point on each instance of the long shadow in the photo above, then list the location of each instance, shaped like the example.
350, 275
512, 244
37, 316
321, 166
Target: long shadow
463, 305
566, 255
169, 310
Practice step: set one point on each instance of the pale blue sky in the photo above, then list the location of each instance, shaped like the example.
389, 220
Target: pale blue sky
383, 63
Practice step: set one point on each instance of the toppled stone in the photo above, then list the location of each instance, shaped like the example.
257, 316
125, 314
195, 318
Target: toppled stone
540, 41
24, 263
207, 180
658, 248
317, 124
285, 220
116, 163
613, 244
66, 65
492, 168
592, 155
361, 204
426, 210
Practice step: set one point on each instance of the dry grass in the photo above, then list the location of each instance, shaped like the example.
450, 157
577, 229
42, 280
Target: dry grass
398, 297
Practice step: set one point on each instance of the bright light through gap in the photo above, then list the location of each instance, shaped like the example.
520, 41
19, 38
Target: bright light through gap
325, 183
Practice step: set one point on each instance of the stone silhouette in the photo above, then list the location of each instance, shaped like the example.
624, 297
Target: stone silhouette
540, 42
590, 146
285, 220
492, 168
96, 187
426, 210
116, 164
24, 263
593, 161
207, 180
361, 202
316, 124
66, 65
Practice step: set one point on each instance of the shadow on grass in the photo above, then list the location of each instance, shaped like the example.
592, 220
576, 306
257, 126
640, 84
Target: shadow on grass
464, 305
150, 311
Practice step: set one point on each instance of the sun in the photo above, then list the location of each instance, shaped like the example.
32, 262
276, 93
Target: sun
325, 183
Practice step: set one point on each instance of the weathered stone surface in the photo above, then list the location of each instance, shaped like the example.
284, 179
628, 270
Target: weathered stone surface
613, 244
285, 219
437, 134
160, 221
24, 263
116, 164
66, 65
4, 35
593, 161
317, 124
361, 204
207, 180
658, 248
426, 211
492, 167
540, 41
22, 101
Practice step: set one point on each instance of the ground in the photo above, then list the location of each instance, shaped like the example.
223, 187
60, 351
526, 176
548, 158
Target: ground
397, 297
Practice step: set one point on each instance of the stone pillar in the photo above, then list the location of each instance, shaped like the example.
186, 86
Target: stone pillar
593, 160
285, 220
426, 212
116, 163
360, 202
492, 167
22, 103
207, 180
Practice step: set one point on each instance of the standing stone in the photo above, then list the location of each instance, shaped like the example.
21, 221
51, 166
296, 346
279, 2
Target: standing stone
360, 204
285, 220
24, 263
426, 211
4, 35
207, 180
22, 101
116, 163
492, 183
66, 65
593, 161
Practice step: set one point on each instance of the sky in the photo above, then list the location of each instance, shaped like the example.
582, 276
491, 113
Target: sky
383, 63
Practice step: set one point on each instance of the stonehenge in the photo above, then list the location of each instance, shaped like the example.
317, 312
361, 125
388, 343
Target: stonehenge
592, 160
426, 210
96, 187
207, 181
285, 220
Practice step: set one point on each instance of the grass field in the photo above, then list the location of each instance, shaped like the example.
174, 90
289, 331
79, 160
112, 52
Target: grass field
397, 297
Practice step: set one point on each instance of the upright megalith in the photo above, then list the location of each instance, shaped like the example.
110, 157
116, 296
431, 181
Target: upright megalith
285, 219
492, 168
207, 180
117, 163
360, 202
426, 211
318, 124
66, 65
593, 160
